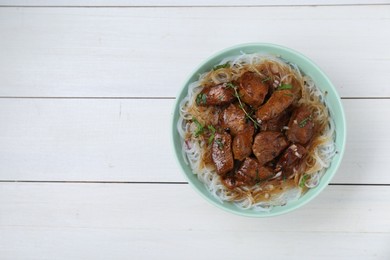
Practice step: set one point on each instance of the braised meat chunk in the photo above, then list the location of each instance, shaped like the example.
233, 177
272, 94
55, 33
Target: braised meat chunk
252, 90
290, 158
276, 123
233, 119
242, 143
268, 145
221, 153
249, 173
215, 96
276, 104
301, 126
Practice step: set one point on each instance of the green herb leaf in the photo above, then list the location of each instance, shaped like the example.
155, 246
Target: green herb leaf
288, 95
266, 79
284, 86
201, 99
222, 66
199, 128
303, 180
231, 85
304, 121
212, 130
219, 143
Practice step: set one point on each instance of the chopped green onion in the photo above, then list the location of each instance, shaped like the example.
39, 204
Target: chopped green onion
303, 180
201, 99
219, 143
212, 130
199, 128
284, 86
222, 66
304, 121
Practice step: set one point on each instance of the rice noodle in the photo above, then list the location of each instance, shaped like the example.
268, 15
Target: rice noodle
258, 197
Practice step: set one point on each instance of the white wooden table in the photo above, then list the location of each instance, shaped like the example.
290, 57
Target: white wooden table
86, 96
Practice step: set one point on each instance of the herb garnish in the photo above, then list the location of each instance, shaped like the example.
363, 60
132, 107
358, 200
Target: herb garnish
234, 87
199, 128
219, 143
257, 176
303, 180
212, 130
284, 86
222, 66
201, 99
266, 79
289, 95
304, 121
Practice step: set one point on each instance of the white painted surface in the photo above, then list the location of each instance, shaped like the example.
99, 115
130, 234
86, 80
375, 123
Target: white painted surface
107, 52
100, 221
129, 140
153, 3
63, 55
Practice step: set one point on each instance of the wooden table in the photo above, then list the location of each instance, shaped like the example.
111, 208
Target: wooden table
87, 169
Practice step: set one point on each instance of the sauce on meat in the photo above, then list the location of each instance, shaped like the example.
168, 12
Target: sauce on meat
246, 152
254, 128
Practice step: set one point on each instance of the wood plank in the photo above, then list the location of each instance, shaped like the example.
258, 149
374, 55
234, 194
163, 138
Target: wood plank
152, 3
135, 52
26, 243
130, 140
101, 221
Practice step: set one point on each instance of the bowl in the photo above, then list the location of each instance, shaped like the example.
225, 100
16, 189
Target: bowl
321, 81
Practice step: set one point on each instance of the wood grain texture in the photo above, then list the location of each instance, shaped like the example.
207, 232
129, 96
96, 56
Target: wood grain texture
130, 140
101, 221
148, 52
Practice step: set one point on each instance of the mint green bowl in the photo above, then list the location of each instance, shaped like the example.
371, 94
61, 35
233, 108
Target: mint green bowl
322, 82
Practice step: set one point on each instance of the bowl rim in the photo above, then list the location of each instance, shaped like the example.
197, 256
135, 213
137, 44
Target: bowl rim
340, 148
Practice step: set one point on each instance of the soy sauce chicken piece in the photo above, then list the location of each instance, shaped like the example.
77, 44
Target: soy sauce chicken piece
215, 96
249, 173
252, 90
301, 126
290, 158
233, 119
221, 153
276, 104
242, 143
268, 145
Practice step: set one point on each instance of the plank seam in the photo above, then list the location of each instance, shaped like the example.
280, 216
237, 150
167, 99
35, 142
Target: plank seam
159, 182
189, 6
169, 98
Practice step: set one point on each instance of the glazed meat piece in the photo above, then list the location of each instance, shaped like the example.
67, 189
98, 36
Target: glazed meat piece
290, 159
249, 173
301, 126
268, 145
221, 153
242, 143
233, 119
252, 90
276, 104
216, 95
277, 123
252, 172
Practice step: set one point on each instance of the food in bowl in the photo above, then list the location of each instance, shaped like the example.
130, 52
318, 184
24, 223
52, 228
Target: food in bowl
256, 131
